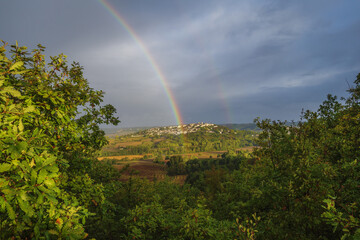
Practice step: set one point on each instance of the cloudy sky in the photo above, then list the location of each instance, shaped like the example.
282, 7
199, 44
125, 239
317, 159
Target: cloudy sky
223, 61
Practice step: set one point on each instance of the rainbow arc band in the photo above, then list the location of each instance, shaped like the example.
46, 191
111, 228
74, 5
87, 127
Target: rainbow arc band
150, 58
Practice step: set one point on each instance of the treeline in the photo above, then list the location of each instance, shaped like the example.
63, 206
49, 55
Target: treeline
229, 161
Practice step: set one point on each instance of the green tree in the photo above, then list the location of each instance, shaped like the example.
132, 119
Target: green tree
42, 139
301, 166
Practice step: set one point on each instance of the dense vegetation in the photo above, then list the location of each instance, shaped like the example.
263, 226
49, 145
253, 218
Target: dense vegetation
229, 161
46, 150
302, 182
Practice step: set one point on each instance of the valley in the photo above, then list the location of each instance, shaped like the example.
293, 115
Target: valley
187, 138
146, 152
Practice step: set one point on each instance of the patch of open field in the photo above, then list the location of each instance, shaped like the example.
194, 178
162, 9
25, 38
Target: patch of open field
128, 144
149, 170
115, 144
213, 154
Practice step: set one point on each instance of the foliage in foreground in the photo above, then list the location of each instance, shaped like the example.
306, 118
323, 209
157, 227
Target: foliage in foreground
310, 165
41, 139
304, 183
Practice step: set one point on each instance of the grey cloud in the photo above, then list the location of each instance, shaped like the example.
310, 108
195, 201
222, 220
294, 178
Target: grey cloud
223, 60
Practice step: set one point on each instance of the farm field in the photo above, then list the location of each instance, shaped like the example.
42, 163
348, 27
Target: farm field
146, 168
141, 167
144, 153
210, 154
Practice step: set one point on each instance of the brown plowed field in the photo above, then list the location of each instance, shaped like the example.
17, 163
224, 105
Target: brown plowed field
147, 169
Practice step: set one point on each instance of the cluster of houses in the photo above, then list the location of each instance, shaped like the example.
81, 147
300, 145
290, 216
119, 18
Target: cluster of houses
179, 129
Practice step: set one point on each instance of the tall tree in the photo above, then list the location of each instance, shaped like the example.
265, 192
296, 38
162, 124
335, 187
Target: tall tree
41, 135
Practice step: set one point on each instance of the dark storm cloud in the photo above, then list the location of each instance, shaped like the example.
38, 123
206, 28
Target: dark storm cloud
296, 99
223, 60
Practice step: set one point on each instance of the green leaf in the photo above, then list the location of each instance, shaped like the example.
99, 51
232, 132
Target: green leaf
52, 168
16, 65
2, 203
53, 200
23, 195
22, 147
24, 165
11, 91
29, 109
35, 132
49, 160
33, 176
42, 175
21, 125
10, 211
5, 167
20, 72
3, 182
24, 205
43, 189
15, 162
50, 183
32, 163
40, 199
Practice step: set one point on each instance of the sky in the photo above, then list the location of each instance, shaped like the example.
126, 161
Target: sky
198, 61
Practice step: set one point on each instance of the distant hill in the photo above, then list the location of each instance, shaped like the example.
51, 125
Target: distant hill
116, 131
242, 126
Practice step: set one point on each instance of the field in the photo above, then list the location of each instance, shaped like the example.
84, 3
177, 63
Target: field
138, 150
146, 168
211, 154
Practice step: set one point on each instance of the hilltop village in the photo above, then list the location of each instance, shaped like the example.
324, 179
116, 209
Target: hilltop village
182, 129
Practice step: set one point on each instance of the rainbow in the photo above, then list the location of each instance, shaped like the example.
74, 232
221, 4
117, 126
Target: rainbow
150, 58
221, 91
220, 86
